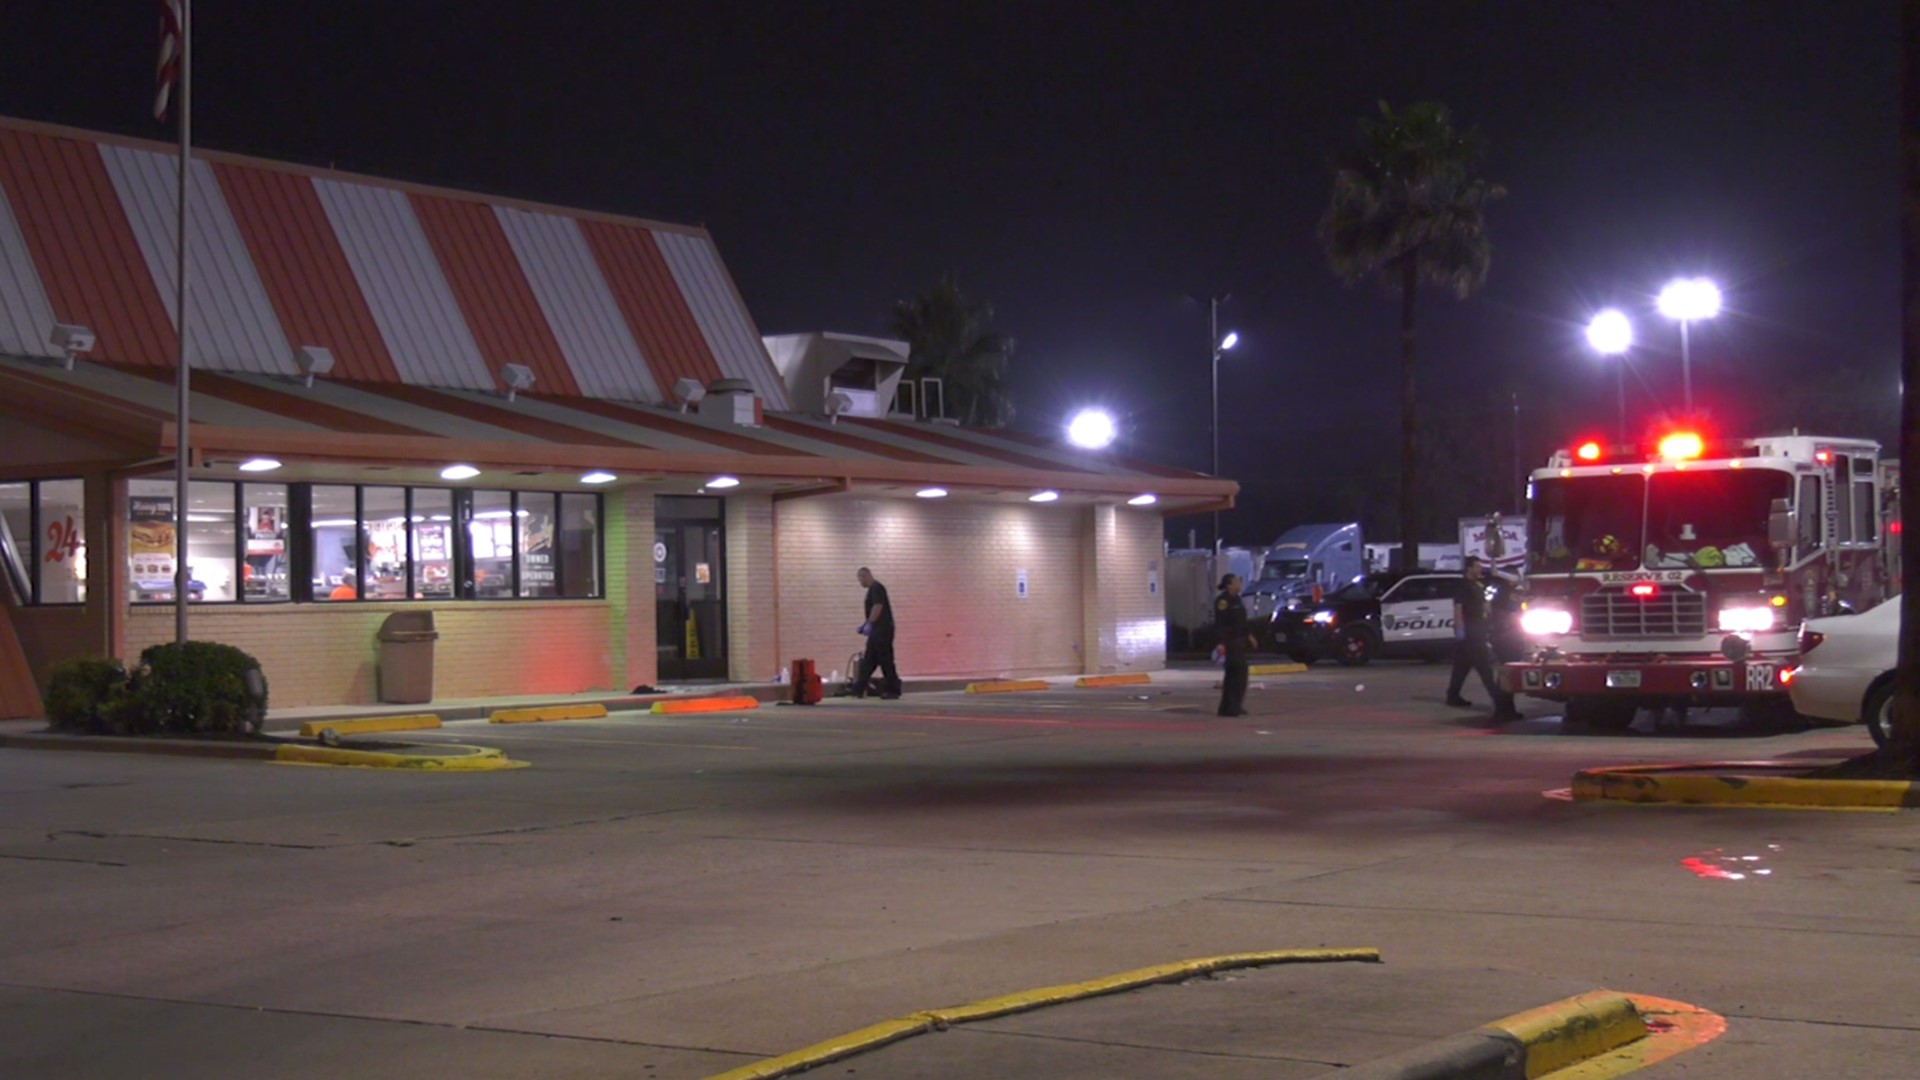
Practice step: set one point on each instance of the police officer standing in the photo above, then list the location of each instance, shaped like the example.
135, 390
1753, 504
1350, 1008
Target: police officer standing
1233, 637
1472, 643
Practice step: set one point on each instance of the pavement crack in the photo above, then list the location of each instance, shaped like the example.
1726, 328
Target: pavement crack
1185, 1051
59, 858
89, 834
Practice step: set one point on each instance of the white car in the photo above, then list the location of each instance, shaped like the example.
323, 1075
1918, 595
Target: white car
1846, 668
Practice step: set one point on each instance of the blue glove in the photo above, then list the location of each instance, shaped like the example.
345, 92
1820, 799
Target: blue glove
866, 628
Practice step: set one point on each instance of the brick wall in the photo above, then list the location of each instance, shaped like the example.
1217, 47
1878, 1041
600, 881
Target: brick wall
630, 585
325, 654
1124, 624
950, 569
750, 594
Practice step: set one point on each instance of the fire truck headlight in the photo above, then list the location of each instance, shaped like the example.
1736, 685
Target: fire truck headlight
1746, 619
1541, 621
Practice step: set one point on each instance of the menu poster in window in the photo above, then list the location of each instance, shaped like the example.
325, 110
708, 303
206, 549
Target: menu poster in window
432, 540
266, 527
536, 556
150, 539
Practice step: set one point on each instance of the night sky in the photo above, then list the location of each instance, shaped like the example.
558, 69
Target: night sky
1087, 168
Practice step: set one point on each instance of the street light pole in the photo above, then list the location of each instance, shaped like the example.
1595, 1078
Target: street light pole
1684, 301
1217, 345
1611, 334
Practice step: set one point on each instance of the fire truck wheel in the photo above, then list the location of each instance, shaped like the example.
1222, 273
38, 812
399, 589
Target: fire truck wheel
1878, 715
1588, 714
1356, 647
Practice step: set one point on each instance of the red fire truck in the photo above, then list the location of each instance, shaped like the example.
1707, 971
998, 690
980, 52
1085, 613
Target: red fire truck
1680, 577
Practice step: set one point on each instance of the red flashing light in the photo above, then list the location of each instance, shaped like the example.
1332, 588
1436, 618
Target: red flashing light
1787, 675
1589, 451
1645, 589
1682, 446
1824, 457
1893, 527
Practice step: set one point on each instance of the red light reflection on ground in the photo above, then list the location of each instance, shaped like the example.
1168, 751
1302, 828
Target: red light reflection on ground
1717, 865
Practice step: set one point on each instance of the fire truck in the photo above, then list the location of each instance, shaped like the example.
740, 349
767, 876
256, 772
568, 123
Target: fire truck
1679, 578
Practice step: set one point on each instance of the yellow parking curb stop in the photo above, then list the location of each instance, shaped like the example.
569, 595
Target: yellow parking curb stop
1006, 686
542, 714
700, 705
371, 724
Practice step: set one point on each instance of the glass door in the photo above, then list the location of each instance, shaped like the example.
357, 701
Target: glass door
689, 586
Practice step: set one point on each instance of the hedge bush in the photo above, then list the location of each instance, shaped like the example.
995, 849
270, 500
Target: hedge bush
196, 687
85, 695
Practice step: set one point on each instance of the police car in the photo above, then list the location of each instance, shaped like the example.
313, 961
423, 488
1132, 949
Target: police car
1384, 615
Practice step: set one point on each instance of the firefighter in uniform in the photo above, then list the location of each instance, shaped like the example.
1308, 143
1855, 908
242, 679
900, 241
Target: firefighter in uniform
1235, 640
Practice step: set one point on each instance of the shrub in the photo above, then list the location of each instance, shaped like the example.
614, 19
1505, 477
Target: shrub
84, 694
196, 687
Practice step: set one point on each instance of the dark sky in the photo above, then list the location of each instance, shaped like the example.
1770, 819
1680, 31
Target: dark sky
1087, 167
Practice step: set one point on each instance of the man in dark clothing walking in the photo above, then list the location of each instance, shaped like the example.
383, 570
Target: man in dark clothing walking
878, 629
1472, 644
1231, 633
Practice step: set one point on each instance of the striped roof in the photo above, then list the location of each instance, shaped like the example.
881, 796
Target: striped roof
407, 286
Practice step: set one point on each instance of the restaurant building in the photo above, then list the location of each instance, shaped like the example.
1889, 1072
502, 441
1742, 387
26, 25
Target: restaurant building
559, 431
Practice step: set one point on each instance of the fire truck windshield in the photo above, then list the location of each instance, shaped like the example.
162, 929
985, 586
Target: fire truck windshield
1586, 523
1711, 518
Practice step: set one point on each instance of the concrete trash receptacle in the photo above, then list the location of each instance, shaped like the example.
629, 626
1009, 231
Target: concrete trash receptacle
406, 657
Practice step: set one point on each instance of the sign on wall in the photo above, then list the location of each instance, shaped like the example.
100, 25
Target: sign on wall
1153, 579
1020, 584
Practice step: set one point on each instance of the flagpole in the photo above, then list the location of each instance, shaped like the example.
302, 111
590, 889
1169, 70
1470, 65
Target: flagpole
181, 575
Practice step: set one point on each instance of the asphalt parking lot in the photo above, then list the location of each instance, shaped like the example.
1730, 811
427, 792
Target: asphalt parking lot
675, 896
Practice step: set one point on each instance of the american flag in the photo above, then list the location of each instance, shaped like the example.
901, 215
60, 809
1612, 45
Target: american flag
168, 70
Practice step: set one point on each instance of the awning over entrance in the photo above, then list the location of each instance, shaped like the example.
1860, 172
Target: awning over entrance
334, 424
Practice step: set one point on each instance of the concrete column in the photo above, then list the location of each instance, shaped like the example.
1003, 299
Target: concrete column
1123, 614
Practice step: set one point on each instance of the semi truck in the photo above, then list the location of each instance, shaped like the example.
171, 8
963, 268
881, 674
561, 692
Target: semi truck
1304, 559
1678, 575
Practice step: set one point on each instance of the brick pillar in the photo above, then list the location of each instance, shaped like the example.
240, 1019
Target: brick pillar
751, 604
630, 585
1123, 621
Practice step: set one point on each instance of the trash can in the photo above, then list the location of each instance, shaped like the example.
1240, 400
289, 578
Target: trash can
406, 657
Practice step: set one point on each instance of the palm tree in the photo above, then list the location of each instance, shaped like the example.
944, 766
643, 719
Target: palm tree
1407, 206
949, 338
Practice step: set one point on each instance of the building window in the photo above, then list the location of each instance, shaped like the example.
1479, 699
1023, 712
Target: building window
265, 567
43, 540
333, 525
372, 543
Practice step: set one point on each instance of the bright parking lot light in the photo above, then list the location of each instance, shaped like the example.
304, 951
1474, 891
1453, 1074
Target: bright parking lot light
1093, 429
1228, 342
1690, 299
1610, 333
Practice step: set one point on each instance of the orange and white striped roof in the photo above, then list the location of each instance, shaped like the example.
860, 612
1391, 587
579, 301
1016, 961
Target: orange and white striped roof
405, 285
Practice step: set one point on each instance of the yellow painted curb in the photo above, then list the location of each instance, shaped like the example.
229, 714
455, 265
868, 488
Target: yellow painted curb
1734, 784
367, 725
1673, 1028
1276, 669
708, 704
889, 1031
545, 713
444, 759
1573, 1030
1005, 686
1138, 678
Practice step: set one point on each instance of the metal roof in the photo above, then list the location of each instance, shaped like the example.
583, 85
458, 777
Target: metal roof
402, 283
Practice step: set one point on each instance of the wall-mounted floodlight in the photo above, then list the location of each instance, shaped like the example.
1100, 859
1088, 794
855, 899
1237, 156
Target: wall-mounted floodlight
1143, 500
837, 403
723, 482
71, 340
931, 493
689, 391
1043, 496
599, 476
459, 472
515, 377
259, 464
312, 360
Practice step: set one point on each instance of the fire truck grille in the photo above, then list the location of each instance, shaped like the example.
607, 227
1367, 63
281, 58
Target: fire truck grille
1612, 613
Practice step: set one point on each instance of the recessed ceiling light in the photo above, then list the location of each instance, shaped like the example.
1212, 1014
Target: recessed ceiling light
723, 482
1043, 496
598, 477
931, 493
1142, 500
459, 472
259, 464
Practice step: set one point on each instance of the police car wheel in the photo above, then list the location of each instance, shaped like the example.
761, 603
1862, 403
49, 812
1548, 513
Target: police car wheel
1356, 647
1878, 715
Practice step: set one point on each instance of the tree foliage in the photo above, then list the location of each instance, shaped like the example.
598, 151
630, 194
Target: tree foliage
1408, 205
951, 338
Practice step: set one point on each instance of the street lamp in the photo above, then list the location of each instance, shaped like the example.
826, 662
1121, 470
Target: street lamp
1687, 300
1092, 429
1218, 345
1611, 334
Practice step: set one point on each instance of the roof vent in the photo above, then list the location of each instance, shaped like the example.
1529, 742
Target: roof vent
312, 360
515, 377
731, 401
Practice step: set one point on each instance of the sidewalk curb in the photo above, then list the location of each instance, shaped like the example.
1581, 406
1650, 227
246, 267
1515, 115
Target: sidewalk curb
1733, 783
877, 1035
1527, 1044
461, 758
